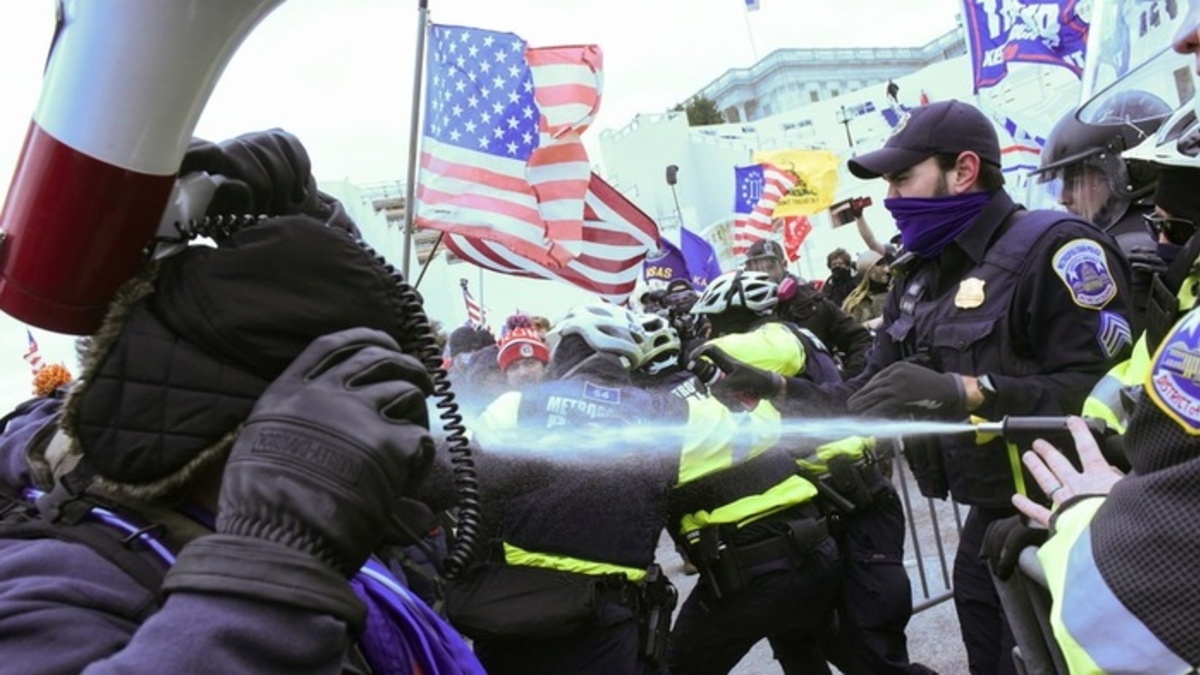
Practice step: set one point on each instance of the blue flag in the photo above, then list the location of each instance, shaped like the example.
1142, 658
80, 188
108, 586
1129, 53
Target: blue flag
748, 187
1034, 31
668, 266
693, 261
701, 259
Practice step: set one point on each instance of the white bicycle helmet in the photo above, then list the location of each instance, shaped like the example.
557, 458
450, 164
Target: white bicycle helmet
606, 328
662, 347
739, 288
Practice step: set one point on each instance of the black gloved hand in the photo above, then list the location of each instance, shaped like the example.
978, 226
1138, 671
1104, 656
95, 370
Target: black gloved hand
310, 484
265, 172
731, 381
329, 448
909, 389
1004, 541
1147, 262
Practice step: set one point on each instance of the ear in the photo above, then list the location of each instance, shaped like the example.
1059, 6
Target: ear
966, 172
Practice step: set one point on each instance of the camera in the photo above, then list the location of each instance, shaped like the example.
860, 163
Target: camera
854, 209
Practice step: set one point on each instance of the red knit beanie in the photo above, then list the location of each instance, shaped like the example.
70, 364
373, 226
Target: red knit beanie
522, 343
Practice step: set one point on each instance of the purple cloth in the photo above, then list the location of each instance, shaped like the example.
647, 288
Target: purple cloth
403, 635
927, 225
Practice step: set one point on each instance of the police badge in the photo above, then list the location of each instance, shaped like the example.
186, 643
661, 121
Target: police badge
970, 293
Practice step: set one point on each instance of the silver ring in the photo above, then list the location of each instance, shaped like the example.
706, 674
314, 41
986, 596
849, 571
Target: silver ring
1054, 489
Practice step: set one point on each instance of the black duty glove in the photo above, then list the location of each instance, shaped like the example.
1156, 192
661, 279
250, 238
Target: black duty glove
1147, 262
909, 389
265, 172
310, 484
733, 382
1004, 541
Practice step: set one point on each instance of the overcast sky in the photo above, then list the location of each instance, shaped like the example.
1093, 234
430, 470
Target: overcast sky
338, 73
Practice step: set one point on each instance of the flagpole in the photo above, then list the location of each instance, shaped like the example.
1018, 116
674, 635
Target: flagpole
414, 131
750, 34
432, 254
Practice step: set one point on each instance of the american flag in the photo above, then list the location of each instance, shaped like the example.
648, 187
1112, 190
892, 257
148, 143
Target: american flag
32, 357
475, 314
746, 231
501, 156
616, 238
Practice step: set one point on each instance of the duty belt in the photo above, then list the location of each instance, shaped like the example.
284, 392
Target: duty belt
782, 547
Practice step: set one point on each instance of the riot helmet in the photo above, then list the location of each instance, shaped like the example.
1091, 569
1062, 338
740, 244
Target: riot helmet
1082, 158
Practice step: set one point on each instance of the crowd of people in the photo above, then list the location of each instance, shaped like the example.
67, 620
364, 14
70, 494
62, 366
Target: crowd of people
245, 477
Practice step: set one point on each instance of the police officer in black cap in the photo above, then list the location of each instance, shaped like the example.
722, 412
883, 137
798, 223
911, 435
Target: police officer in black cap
996, 311
806, 307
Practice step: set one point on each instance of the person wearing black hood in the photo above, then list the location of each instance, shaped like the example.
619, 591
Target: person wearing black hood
842, 279
806, 307
211, 491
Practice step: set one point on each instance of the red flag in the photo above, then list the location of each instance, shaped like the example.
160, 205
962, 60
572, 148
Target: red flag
32, 357
746, 231
924, 100
501, 155
795, 229
616, 238
475, 313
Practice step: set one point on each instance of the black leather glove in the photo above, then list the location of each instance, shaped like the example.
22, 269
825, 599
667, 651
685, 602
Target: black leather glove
909, 389
1004, 541
731, 381
310, 484
1147, 261
265, 172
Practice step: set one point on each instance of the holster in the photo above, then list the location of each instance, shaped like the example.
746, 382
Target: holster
657, 599
729, 567
715, 560
849, 478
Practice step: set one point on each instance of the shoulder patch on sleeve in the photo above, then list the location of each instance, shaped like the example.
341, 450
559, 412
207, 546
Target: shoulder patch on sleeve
1114, 334
1083, 268
1174, 378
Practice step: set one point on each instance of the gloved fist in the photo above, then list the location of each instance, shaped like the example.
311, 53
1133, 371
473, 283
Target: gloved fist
730, 380
329, 449
1147, 261
1004, 541
265, 172
909, 389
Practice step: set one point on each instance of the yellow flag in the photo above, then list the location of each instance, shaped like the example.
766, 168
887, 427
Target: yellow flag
816, 173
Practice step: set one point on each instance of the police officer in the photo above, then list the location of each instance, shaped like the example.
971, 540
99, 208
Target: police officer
570, 586
867, 636
1128, 555
1093, 181
806, 307
995, 311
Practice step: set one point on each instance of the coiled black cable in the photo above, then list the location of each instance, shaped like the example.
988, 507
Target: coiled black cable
419, 341
422, 343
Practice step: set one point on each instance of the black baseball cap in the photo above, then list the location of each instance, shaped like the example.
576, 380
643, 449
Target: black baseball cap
948, 127
764, 248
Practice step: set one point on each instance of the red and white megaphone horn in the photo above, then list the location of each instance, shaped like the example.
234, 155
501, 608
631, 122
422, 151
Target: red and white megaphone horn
123, 89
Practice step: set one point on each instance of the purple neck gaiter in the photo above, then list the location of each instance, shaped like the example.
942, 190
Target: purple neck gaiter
927, 224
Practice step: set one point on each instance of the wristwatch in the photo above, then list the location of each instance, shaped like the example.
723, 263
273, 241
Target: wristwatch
987, 388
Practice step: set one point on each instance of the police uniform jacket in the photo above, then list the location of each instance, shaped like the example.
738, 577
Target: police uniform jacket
1036, 300
592, 504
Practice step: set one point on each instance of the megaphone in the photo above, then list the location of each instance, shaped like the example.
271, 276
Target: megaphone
124, 86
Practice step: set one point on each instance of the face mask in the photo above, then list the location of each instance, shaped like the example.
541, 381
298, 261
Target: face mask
1168, 252
927, 225
840, 273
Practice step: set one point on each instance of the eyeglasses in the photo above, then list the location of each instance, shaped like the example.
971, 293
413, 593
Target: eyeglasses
1177, 230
